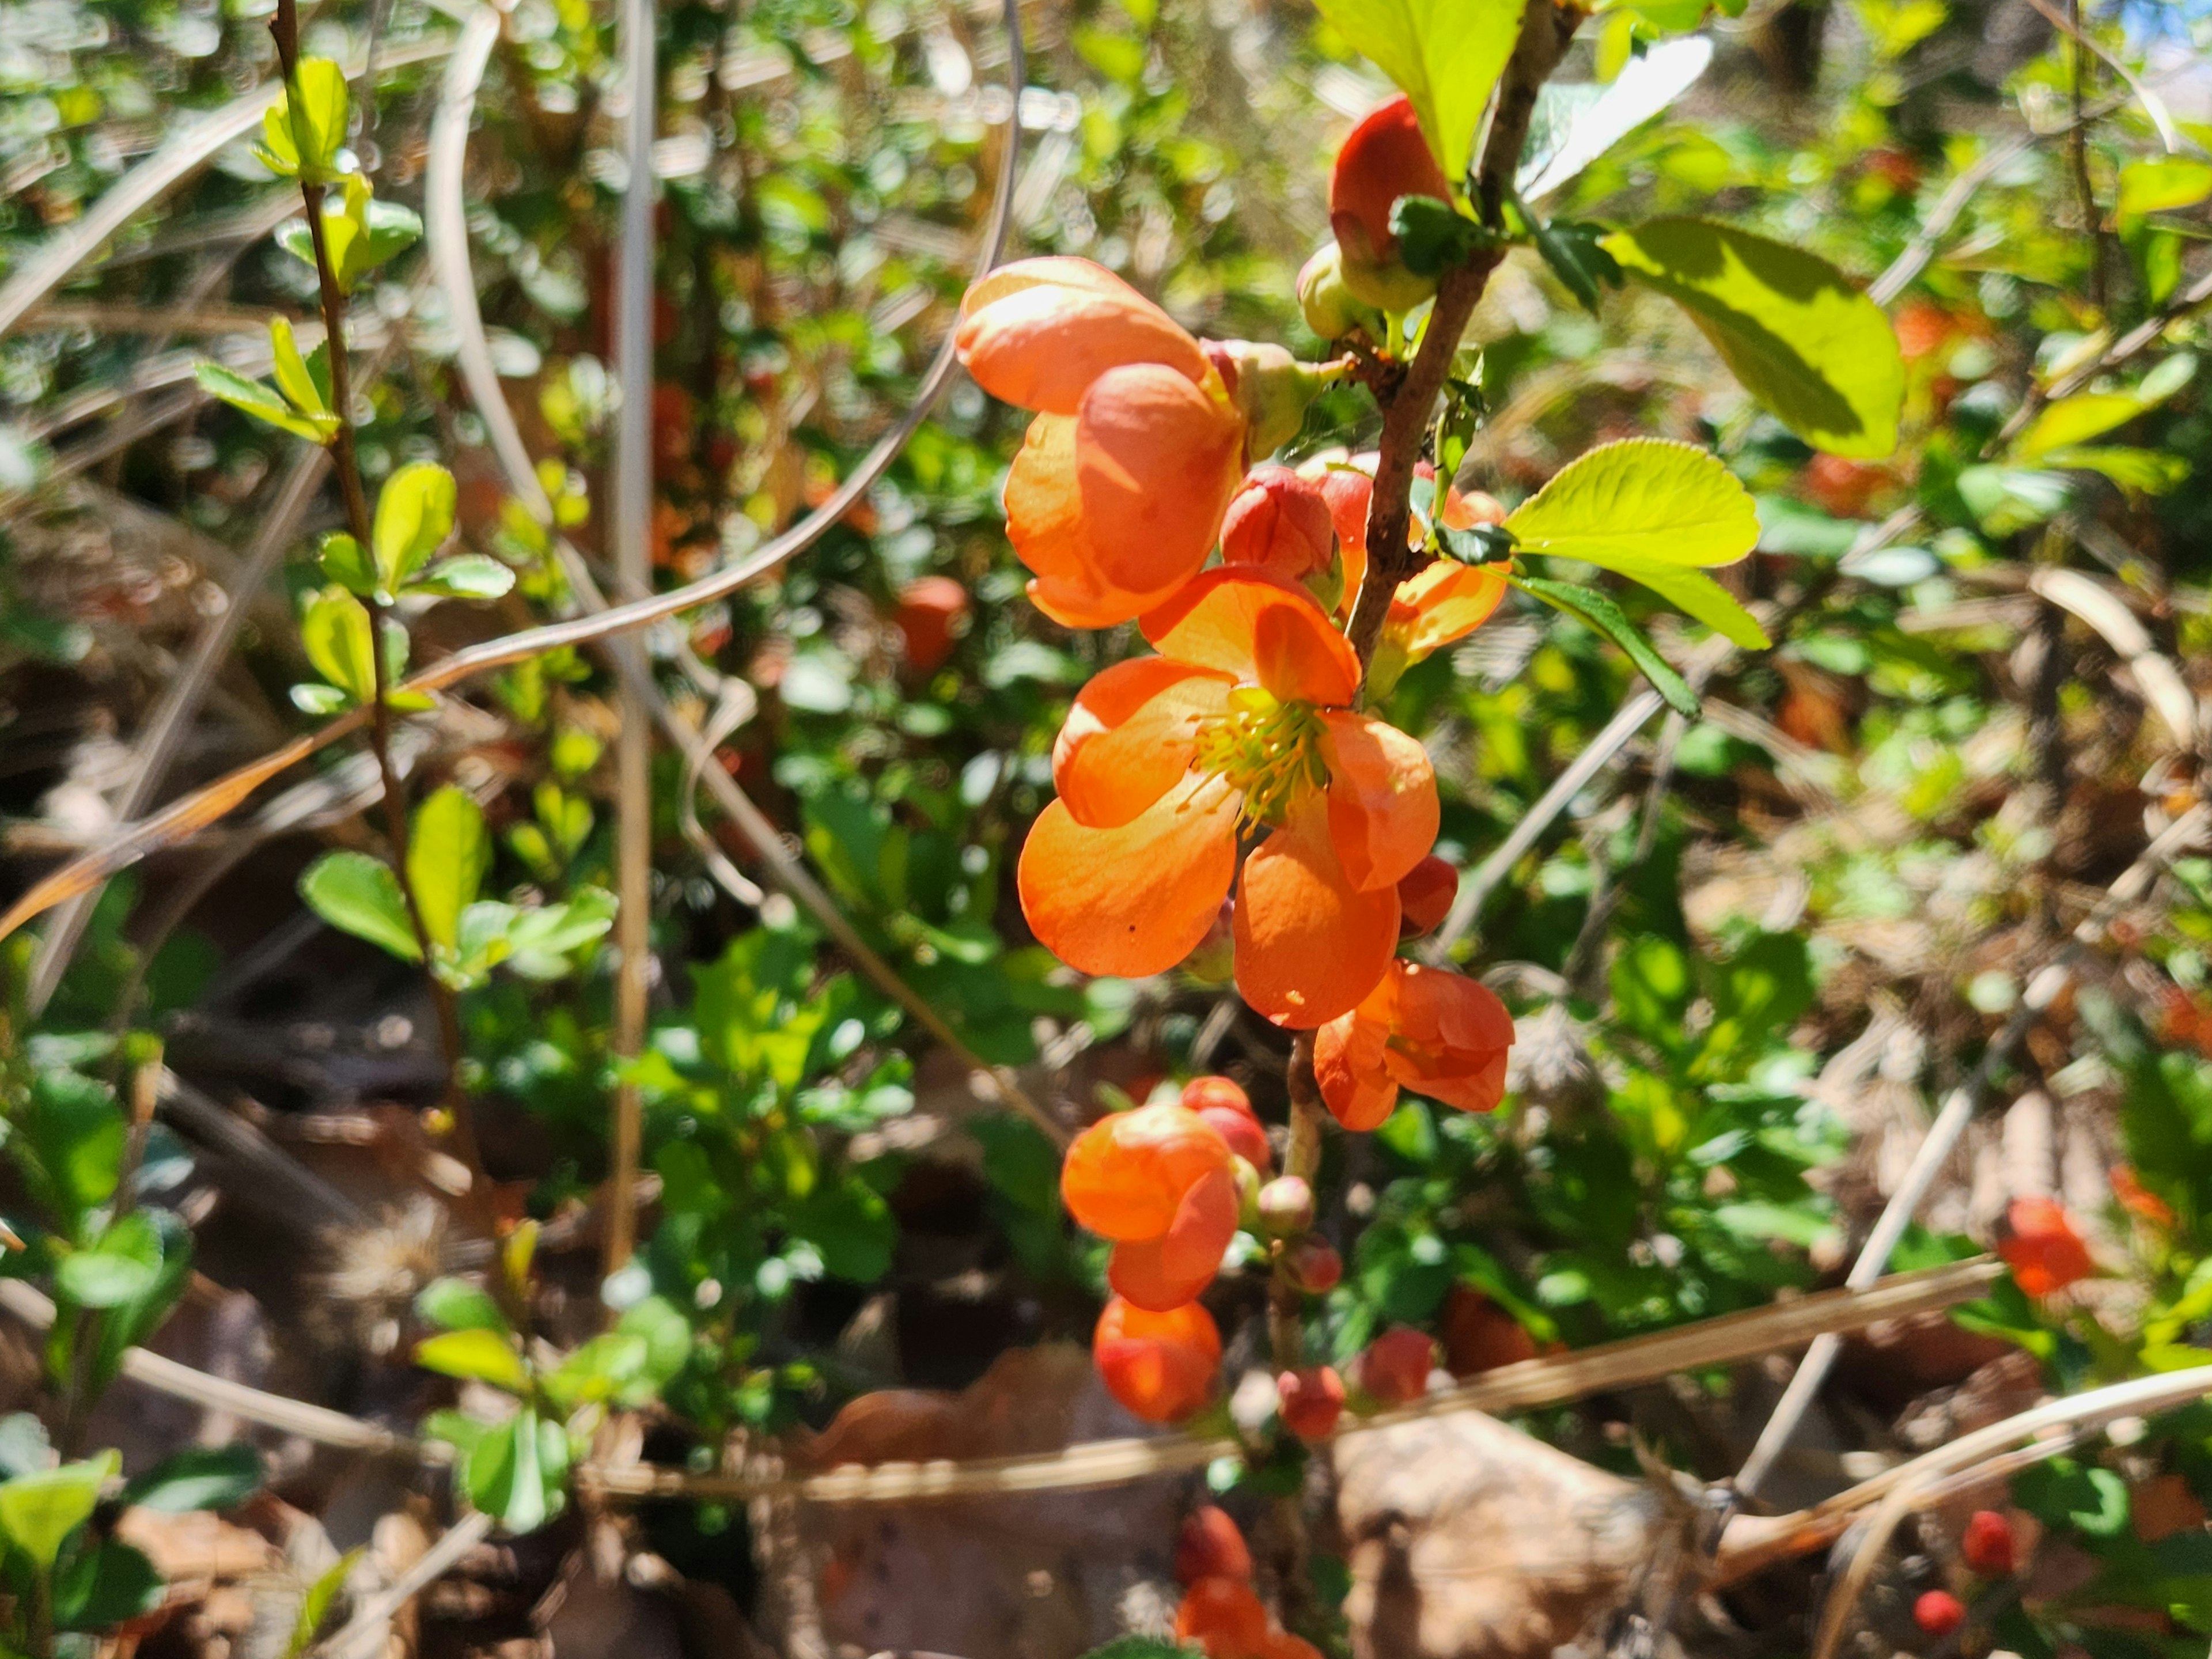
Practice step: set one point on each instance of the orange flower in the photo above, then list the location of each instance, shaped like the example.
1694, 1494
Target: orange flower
1224, 1617
1161, 1183
1117, 496
1426, 1029
1159, 1366
1210, 1545
1243, 718
2042, 1248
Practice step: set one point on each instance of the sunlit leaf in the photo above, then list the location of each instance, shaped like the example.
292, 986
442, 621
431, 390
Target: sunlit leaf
358, 895
448, 853
1445, 55
1588, 605
414, 516
38, 1511
478, 1356
1800, 338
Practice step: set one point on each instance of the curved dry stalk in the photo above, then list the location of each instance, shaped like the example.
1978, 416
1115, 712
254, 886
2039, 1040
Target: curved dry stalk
365, 1632
447, 234
1960, 1110
1902, 1488
144, 184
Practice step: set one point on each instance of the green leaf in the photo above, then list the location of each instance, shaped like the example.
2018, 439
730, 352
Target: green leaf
322, 1596
1576, 255
2161, 187
38, 1511
515, 1470
334, 632
305, 128
2145, 472
198, 1478
1696, 594
1445, 55
359, 233
414, 516
73, 1134
1800, 338
1588, 605
346, 562
292, 378
2008, 499
1139, 1647
1644, 500
100, 1588
457, 1305
447, 854
251, 398
1432, 234
123, 1265
468, 576
541, 940
2075, 420
358, 895
480, 944
1576, 124
478, 1356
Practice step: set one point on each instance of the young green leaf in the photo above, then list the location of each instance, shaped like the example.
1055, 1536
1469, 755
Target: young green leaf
1432, 235
1445, 55
457, 1305
541, 940
1585, 121
123, 1265
2143, 472
1799, 337
467, 576
322, 1596
346, 562
1696, 594
359, 233
447, 854
478, 1356
101, 1583
1576, 252
38, 1511
262, 404
1588, 605
299, 387
2162, 186
1646, 501
358, 895
304, 129
334, 631
414, 516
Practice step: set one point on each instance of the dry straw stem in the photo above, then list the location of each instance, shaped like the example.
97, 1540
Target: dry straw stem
365, 1632
1903, 1489
1522, 1386
449, 254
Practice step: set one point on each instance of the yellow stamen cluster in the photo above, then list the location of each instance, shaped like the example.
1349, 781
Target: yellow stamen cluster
1266, 749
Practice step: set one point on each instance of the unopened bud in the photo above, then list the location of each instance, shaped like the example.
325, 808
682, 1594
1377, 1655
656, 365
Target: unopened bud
1312, 1265
1271, 388
1331, 310
1279, 523
1287, 1205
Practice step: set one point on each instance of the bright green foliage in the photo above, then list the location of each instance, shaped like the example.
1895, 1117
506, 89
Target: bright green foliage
1799, 336
360, 895
359, 233
1652, 511
414, 516
40, 1510
300, 403
305, 130
1445, 55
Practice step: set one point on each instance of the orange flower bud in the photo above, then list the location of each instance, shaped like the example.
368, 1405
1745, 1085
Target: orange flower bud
1243, 1133
1312, 1265
2043, 1250
1223, 1616
1201, 1092
1210, 1547
1309, 1401
1159, 1366
1165, 1272
1395, 1367
1424, 897
1384, 157
932, 613
1127, 1177
1279, 523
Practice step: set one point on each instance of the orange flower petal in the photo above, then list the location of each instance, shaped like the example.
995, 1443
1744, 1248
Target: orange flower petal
1130, 1176
1257, 629
1348, 1064
1382, 811
1450, 1035
1131, 736
1165, 1272
1157, 461
1310, 946
1138, 898
1449, 602
1054, 271
1042, 345
1051, 534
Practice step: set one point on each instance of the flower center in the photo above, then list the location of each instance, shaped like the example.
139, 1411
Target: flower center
1267, 750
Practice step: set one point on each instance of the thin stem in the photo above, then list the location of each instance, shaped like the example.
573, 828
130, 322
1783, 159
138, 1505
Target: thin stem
285, 26
2077, 151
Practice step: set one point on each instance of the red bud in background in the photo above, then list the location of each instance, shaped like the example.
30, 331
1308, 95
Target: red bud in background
1279, 523
2044, 1251
1385, 157
1287, 1205
1201, 1092
1243, 1133
1395, 1366
1990, 1546
933, 611
1309, 1401
1210, 1547
1424, 897
1313, 1265
1939, 1612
